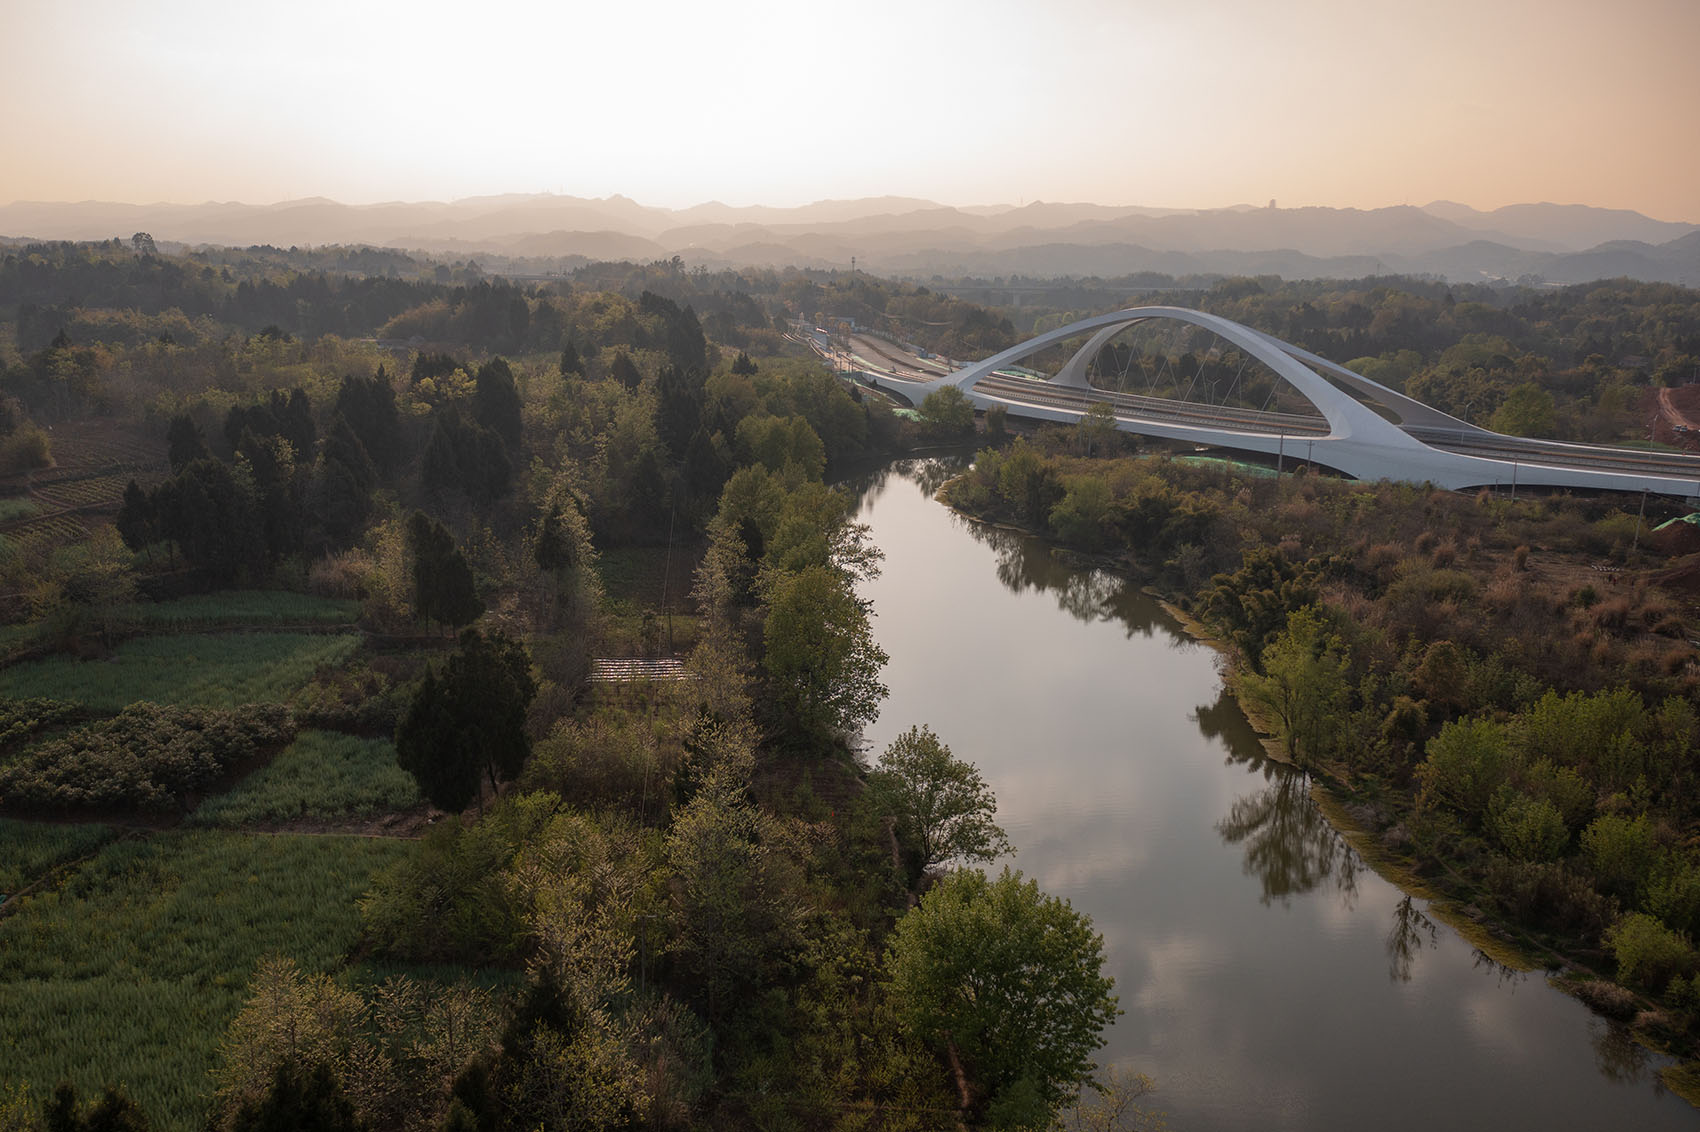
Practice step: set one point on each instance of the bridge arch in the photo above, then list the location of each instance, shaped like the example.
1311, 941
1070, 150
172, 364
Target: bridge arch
1399, 439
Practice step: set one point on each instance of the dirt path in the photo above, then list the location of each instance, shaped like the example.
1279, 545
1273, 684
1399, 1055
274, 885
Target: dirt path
1668, 410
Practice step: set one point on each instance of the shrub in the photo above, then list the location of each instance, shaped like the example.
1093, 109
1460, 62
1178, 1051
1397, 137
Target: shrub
1648, 954
605, 760
1467, 764
448, 900
26, 448
1621, 852
20, 719
148, 757
1530, 829
1673, 895
1547, 895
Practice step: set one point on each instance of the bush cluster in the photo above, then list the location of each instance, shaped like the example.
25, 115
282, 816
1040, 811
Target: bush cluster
148, 757
19, 719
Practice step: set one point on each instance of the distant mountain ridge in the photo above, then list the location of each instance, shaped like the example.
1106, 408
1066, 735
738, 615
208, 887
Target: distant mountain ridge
910, 236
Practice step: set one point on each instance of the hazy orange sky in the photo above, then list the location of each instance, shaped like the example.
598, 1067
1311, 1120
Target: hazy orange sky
1187, 103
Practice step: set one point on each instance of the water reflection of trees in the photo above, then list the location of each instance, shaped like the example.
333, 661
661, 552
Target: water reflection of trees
1503, 973
1223, 722
1412, 931
1621, 1059
1290, 847
1026, 563
929, 474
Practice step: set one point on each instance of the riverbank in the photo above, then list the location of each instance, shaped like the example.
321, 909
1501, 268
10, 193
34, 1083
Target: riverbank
1391, 829
1269, 977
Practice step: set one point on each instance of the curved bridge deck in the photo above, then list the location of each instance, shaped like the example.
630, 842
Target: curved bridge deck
1016, 390
1359, 427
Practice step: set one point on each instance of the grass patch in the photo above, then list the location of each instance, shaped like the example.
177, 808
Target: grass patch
133, 970
29, 849
241, 607
625, 632
644, 575
192, 669
321, 775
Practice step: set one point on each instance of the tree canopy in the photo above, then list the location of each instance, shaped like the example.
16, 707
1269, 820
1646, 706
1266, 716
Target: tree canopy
1012, 978
469, 720
942, 805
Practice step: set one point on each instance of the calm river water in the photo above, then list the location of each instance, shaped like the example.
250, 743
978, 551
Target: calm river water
1269, 980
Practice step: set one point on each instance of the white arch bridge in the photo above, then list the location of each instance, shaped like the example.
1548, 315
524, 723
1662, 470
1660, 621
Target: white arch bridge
1359, 427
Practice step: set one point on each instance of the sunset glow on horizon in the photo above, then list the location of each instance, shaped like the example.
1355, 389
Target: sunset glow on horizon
1321, 102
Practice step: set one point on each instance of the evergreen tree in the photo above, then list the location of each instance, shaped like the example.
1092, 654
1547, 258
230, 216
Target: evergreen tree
443, 590
469, 721
257, 419
678, 411
432, 365
495, 400
114, 1112
428, 746
368, 405
184, 441
623, 370
295, 419
571, 364
137, 524
468, 458
210, 513
270, 461
298, 1101
341, 498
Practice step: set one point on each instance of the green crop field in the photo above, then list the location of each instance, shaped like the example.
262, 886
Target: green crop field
200, 669
321, 775
242, 607
132, 971
29, 849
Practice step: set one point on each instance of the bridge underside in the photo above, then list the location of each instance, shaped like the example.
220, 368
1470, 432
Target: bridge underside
1358, 427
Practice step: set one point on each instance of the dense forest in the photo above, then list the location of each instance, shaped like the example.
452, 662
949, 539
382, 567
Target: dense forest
429, 700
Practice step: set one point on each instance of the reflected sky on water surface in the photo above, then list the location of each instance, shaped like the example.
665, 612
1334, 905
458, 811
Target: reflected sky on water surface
1269, 979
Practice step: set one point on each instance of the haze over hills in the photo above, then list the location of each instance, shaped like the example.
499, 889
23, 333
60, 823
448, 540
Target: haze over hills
912, 237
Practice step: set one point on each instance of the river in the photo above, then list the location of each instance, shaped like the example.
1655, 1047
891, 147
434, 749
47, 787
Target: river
1269, 979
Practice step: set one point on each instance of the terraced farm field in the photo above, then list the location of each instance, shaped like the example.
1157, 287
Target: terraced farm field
99, 444
89, 491
60, 528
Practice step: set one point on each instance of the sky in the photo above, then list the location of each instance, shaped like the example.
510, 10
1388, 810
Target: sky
1184, 103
